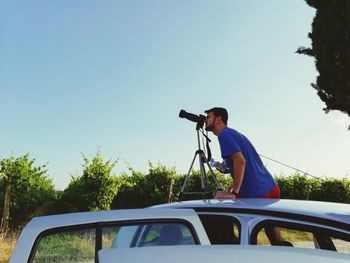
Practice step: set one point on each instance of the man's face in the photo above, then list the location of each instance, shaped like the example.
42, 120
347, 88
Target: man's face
210, 121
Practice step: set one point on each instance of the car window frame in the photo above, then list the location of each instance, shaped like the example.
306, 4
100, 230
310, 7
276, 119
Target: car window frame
312, 219
234, 218
98, 231
301, 226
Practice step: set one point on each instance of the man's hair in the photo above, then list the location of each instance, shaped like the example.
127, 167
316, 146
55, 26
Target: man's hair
217, 111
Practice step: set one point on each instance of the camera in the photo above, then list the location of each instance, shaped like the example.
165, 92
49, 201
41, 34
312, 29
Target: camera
199, 119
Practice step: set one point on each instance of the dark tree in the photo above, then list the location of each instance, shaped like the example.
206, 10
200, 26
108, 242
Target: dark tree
331, 48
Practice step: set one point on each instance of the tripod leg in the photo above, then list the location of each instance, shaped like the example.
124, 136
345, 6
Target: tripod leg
202, 175
188, 174
218, 186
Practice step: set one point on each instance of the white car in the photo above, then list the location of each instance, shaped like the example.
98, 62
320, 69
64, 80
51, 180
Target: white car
287, 230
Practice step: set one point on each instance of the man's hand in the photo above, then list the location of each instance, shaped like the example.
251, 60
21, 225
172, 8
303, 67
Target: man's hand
224, 195
231, 190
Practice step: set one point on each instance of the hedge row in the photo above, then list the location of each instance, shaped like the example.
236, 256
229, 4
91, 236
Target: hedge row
162, 184
299, 186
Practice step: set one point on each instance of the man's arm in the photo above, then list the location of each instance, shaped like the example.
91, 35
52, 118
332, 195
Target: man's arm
238, 162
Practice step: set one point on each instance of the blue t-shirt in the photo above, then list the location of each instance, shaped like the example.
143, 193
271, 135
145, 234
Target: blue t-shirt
257, 180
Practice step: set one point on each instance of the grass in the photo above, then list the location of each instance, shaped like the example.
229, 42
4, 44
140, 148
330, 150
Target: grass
290, 235
7, 244
63, 247
67, 247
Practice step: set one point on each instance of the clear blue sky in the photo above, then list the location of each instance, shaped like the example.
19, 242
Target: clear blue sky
76, 76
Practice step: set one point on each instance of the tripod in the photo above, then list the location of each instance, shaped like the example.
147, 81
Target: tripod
202, 160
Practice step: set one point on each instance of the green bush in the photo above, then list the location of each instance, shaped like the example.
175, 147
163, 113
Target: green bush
30, 188
139, 190
95, 188
335, 190
295, 186
299, 186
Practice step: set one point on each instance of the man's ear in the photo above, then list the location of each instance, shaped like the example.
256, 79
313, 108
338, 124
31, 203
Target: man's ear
218, 119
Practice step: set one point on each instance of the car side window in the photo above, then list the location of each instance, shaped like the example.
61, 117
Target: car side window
298, 235
166, 235
118, 237
155, 234
288, 237
82, 243
341, 245
221, 229
68, 246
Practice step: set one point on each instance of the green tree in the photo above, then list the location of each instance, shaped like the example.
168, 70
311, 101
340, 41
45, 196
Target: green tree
330, 46
95, 188
26, 187
139, 190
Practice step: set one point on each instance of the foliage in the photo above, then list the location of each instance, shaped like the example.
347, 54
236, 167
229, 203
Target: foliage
30, 187
95, 188
139, 190
330, 46
298, 186
98, 189
336, 190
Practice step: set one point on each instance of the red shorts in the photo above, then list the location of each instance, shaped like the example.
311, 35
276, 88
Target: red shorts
275, 193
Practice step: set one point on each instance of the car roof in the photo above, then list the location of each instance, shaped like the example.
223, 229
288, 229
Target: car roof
325, 210
81, 218
219, 253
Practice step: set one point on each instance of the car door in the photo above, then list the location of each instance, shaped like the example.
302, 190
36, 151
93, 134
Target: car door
77, 237
219, 253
